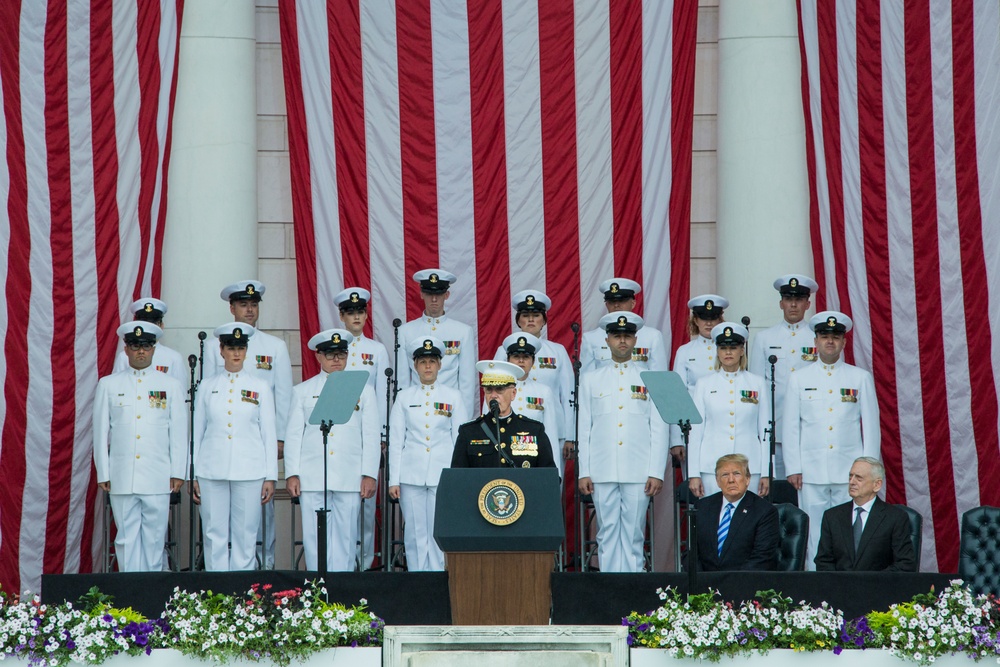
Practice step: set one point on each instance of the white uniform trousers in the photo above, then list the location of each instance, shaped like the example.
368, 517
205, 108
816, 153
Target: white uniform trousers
141, 520
422, 552
341, 528
368, 510
712, 486
814, 499
267, 557
621, 522
230, 512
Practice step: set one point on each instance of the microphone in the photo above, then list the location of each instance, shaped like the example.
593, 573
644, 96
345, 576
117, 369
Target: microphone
494, 408
397, 322
575, 326
192, 361
746, 321
388, 372
772, 360
202, 335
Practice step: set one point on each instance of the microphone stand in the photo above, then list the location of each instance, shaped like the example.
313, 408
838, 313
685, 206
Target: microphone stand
201, 355
192, 391
771, 438
396, 323
575, 452
322, 514
386, 507
692, 513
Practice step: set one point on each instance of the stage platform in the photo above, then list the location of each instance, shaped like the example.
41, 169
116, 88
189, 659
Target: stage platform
421, 598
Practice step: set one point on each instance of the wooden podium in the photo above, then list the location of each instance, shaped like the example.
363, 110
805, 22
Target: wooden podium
500, 529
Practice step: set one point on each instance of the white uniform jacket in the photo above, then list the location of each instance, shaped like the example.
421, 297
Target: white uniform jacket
831, 418
423, 428
234, 434
554, 368
736, 411
365, 354
140, 432
695, 359
649, 350
267, 358
794, 347
622, 438
353, 449
458, 366
165, 359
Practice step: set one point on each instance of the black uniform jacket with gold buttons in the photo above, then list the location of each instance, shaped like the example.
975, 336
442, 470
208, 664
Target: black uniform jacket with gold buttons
522, 442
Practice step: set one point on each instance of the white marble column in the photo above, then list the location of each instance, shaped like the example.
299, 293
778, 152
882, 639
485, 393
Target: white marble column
211, 235
763, 207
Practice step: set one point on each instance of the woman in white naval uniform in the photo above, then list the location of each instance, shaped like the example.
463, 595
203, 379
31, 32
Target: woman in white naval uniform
423, 427
235, 454
736, 409
351, 458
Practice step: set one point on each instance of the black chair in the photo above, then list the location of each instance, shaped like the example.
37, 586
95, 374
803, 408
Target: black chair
793, 537
916, 530
979, 553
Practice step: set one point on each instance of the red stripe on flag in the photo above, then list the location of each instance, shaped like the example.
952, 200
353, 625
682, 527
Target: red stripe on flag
417, 148
107, 222
344, 25
147, 52
17, 293
559, 181
489, 173
970, 225
298, 154
626, 138
826, 19
819, 266
685, 20
57, 144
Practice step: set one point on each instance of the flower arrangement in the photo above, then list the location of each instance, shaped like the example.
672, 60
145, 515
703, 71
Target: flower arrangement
260, 624
929, 626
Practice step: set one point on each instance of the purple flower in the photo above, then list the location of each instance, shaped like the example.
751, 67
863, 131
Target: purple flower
354, 643
630, 640
837, 650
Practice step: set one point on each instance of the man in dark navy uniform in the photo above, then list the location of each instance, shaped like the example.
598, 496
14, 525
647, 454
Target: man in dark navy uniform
503, 438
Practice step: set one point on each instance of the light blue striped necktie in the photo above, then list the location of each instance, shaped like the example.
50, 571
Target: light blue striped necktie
724, 525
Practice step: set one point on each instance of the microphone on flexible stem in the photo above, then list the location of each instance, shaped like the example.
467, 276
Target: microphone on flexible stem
388, 372
772, 360
746, 320
202, 335
397, 322
494, 408
192, 361
575, 326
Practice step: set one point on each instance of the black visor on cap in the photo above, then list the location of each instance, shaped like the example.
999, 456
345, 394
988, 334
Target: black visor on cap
729, 337
521, 346
428, 349
230, 340
335, 343
618, 293
139, 335
621, 325
434, 284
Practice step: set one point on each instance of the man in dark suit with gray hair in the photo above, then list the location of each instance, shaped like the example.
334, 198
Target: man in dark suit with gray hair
865, 534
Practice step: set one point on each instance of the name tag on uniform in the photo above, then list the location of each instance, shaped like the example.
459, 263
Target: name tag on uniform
249, 396
523, 444
264, 362
849, 395
452, 347
158, 400
748, 397
639, 392
533, 403
443, 409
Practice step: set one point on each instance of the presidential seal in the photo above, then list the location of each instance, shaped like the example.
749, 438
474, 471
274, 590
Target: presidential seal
501, 502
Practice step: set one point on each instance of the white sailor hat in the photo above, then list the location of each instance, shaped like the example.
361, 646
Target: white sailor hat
708, 306
730, 333
622, 321
521, 342
498, 373
331, 339
234, 334
426, 346
531, 301
619, 289
243, 290
830, 321
148, 309
352, 298
138, 331
434, 281
795, 284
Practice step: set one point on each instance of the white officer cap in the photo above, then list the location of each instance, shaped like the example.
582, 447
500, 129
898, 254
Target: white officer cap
521, 342
242, 290
619, 289
137, 331
426, 346
730, 333
434, 281
531, 301
795, 284
352, 298
234, 334
148, 309
708, 306
830, 321
331, 339
498, 373
621, 322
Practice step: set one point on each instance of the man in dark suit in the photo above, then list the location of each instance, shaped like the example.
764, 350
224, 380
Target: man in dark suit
865, 534
737, 529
